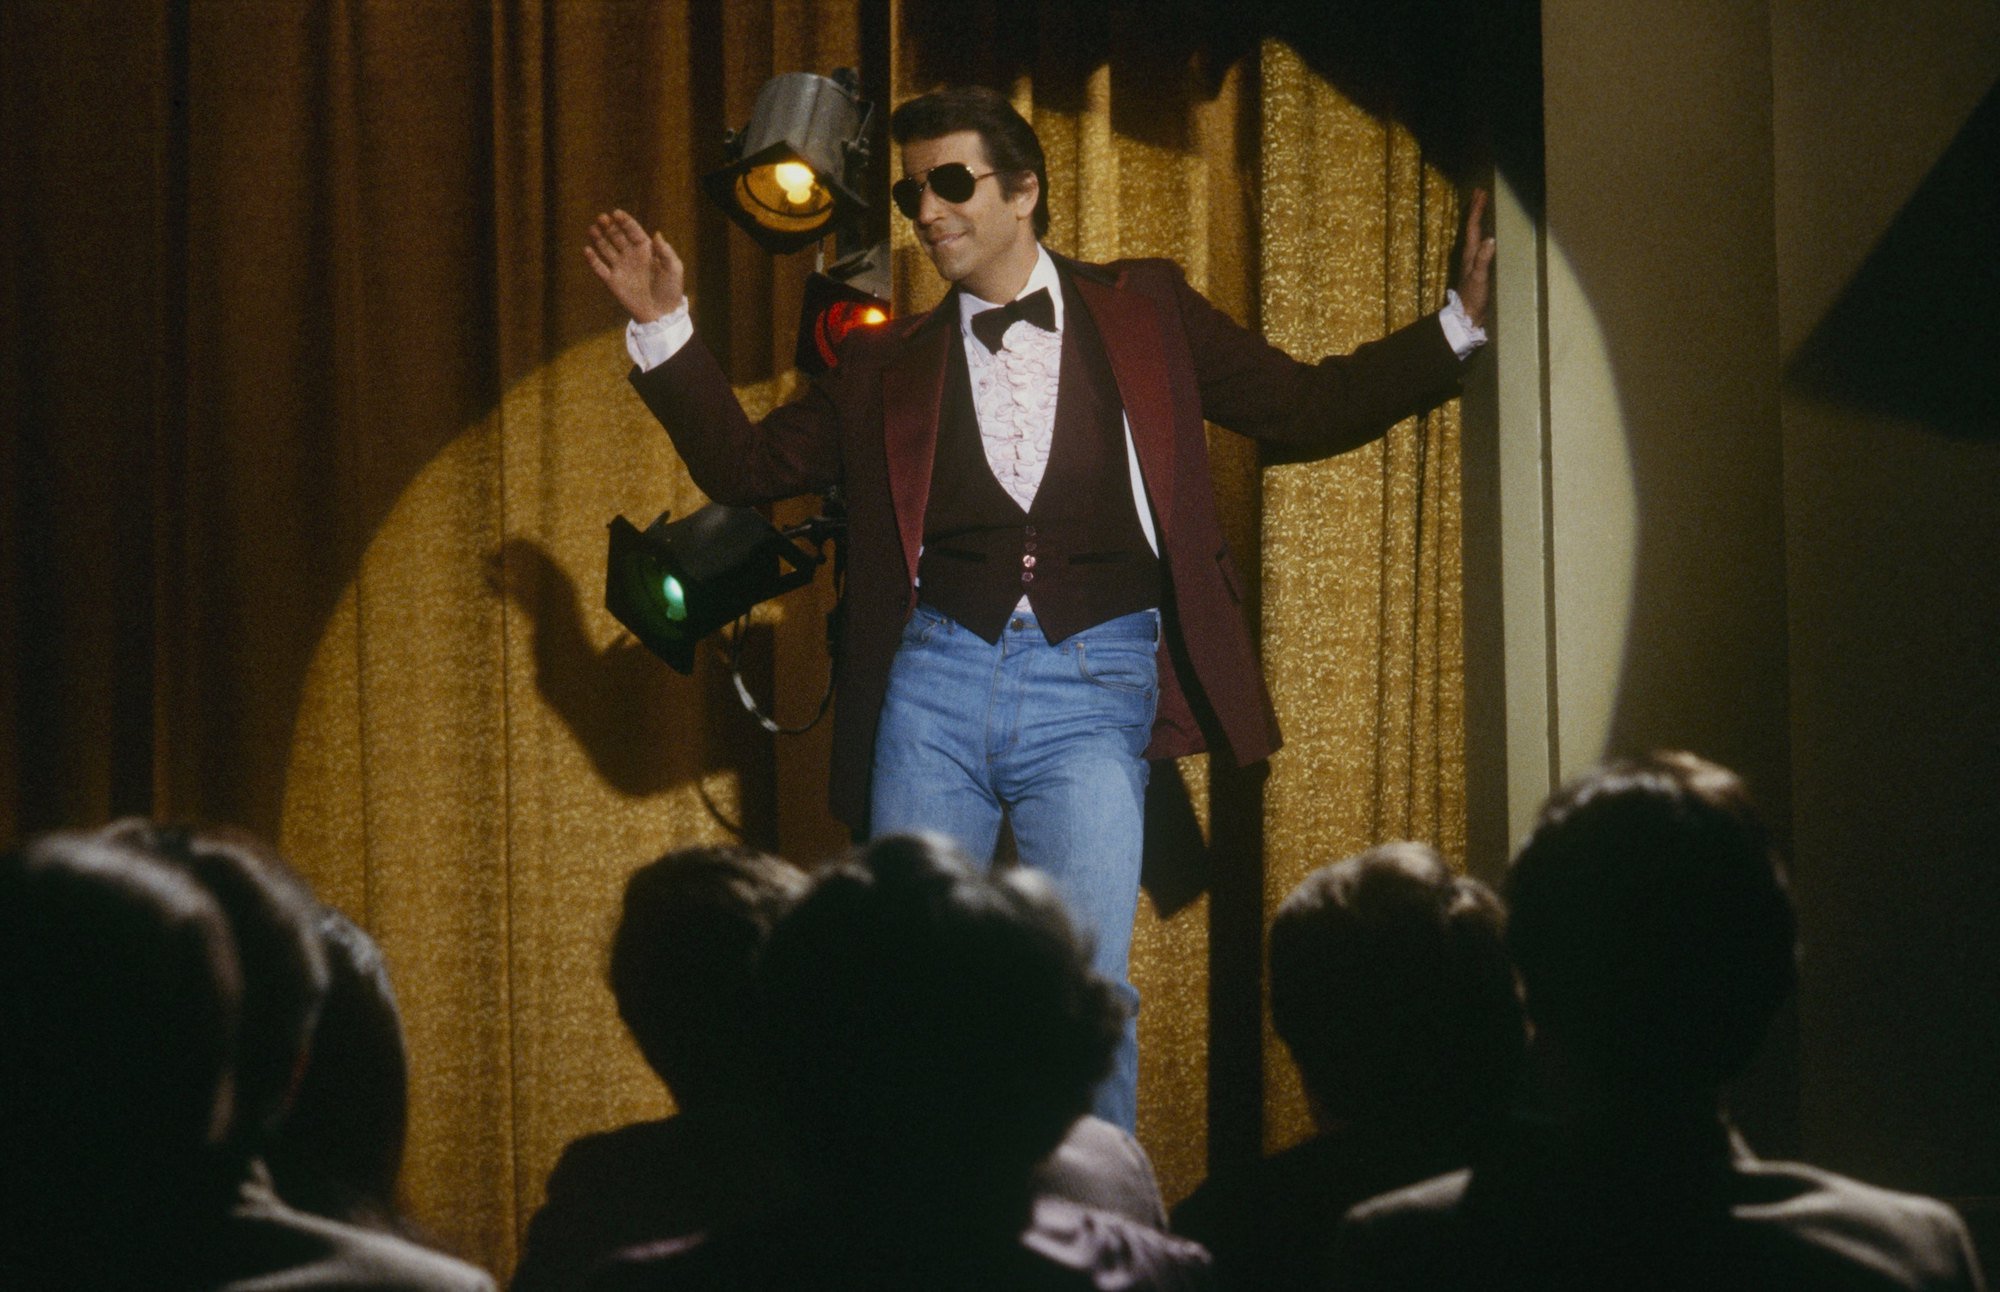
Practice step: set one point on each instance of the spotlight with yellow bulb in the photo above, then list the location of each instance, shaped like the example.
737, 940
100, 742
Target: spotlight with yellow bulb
791, 175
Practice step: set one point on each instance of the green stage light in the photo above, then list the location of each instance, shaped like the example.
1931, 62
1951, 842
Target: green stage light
674, 584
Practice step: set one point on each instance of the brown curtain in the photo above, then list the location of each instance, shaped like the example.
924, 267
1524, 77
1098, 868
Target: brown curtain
316, 415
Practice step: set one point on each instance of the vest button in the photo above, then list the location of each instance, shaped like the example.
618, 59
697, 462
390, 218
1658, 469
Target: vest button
1028, 561
1027, 576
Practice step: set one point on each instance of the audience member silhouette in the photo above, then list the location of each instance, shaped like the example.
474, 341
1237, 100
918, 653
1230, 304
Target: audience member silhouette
338, 1148
1654, 936
253, 1239
119, 994
1391, 987
935, 1034
683, 966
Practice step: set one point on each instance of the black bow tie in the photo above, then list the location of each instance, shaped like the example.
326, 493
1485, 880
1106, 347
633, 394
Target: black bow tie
1036, 307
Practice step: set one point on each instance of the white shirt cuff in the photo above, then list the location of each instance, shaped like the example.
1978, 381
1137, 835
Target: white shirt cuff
652, 344
1459, 329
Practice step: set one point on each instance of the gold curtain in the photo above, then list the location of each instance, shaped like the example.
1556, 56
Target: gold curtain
1363, 640
316, 417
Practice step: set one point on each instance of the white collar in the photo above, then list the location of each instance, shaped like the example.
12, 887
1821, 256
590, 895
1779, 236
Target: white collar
1043, 275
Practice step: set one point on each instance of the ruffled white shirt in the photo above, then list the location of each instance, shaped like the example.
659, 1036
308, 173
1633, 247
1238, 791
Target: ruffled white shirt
1014, 388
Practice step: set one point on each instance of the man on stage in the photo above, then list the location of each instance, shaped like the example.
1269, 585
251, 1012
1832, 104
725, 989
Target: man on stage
1039, 599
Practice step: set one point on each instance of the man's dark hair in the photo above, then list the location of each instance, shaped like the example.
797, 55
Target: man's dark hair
684, 961
1011, 146
1391, 986
1651, 923
938, 1031
118, 1009
271, 915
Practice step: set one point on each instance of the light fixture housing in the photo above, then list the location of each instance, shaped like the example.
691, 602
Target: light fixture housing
791, 175
848, 295
673, 584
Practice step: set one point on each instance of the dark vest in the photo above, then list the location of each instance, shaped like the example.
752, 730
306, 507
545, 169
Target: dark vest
1078, 552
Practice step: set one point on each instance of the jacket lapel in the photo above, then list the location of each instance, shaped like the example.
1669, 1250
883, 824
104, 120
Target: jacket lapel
1133, 344
912, 403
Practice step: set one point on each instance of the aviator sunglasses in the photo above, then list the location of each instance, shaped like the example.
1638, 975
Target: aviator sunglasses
952, 182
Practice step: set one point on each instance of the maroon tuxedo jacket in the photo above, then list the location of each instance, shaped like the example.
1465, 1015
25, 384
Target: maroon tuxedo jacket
871, 426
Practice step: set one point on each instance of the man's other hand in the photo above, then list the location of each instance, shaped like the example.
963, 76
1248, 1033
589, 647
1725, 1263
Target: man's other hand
1475, 262
642, 272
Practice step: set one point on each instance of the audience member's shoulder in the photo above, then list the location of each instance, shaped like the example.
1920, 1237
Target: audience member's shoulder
1112, 1251
691, 1261
1415, 1204
1100, 1165
1917, 1240
268, 1244
1401, 1240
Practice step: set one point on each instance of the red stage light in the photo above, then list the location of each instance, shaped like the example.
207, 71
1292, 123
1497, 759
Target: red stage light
840, 318
832, 309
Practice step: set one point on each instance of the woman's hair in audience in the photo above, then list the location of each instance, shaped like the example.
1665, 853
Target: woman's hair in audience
338, 1149
1391, 986
121, 993
271, 915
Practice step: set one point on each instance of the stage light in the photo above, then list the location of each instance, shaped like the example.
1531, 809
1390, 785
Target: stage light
793, 171
674, 584
850, 294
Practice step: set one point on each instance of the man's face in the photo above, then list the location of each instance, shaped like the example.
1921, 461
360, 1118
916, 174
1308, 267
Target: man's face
986, 243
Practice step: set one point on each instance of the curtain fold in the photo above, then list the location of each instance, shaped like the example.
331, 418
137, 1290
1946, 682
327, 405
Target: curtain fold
316, 416
1362, 634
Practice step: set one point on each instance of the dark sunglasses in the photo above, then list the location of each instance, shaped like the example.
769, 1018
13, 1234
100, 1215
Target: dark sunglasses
952, 182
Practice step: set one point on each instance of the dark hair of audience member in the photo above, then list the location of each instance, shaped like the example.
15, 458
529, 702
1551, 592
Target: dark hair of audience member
1651, 924
338, 1149
937, 1032
1010, 142
684, 961
118, 1028
1391, 986
271, 917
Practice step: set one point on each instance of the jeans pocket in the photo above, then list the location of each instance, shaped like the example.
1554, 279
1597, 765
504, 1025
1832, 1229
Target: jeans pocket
1118, 664
921, 624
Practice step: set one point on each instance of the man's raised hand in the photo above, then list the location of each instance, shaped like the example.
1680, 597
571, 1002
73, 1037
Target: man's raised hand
1475, 262
642, 271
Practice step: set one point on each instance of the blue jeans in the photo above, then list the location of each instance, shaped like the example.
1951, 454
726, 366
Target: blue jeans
1054, 736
